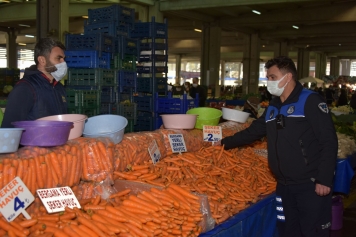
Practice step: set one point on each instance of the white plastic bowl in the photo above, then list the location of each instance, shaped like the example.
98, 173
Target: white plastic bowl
10, 139
179, 121
235, 115
77, 119
106, 125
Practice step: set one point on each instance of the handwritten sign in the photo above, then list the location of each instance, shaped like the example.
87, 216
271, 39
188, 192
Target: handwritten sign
177, 143
212, 133
15, 197
154, 152
56, 199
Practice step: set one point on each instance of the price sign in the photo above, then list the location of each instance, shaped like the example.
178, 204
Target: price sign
212, 133
154, 152
56, 199
14, 199
177, 143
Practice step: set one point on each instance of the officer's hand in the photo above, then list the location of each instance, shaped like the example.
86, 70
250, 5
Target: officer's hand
322, 190
218, 143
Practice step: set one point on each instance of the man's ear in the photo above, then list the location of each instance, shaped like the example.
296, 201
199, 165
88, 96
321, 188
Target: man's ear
41, 60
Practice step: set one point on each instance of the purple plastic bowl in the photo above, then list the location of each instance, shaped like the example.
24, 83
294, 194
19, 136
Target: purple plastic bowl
44, 133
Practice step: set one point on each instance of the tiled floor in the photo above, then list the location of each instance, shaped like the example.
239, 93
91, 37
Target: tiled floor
349, 216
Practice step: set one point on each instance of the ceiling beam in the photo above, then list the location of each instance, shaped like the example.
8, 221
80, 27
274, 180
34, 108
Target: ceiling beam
192, 15
142, 2
198, 4
342, 12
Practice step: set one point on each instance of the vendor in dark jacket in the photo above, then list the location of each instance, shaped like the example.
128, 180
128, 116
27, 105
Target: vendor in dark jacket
302, 151
39, 93
200, 90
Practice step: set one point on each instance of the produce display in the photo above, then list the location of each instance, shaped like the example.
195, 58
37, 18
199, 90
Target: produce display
229, 181
346, 145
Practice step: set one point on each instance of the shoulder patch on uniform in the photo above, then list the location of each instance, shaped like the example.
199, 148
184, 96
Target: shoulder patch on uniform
290, 109
323, 107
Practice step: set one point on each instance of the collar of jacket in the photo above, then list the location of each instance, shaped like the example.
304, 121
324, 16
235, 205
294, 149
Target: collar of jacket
292, 98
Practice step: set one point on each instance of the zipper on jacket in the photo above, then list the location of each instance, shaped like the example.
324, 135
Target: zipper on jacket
303, 152
279, 167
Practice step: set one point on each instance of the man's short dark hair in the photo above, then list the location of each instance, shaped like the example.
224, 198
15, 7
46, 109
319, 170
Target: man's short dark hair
284, 64
44, 47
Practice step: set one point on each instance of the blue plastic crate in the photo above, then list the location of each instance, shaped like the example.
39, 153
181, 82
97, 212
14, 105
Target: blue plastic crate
125, 45
91, 77
145, 122
154, 57
112, 13
87, 59
108, 94
157, 122
106, 108
152, 85
109, 28
149, 30
144, 103
127, 78
124, 97
153, 46
98, 41
152, 69
170, 105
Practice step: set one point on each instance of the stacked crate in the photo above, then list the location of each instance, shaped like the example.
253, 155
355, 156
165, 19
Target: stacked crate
90, 82
8, 77
115, 64
151, 71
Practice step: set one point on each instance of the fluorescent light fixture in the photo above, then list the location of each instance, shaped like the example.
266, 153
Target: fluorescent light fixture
30, 36
256, 12
24, 25
197, 30
295, 27
339, 44
22, 44
85, 17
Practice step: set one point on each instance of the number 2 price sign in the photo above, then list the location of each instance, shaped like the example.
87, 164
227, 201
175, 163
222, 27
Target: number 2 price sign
14, 199
212, 133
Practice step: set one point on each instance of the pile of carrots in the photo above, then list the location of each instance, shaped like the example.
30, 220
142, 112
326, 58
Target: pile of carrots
172, 211
231, 179
80, 159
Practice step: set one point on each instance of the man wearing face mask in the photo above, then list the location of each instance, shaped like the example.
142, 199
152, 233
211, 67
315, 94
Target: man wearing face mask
39, 93
302, 151
198, 89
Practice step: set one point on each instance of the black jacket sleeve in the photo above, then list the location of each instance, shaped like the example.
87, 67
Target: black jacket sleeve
318, 115
256, 131
19, 104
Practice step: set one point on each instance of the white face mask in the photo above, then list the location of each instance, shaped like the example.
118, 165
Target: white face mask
272, 87
195, 85
61, 71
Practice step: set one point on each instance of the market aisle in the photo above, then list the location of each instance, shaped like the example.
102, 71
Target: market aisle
349, 218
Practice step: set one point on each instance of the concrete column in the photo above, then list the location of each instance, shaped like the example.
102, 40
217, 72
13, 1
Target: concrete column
280, 49
320, 65
251, 64
11, 48
345, 67
178, 68
223, 72
52, 19
303, 63
334, 67
210, 56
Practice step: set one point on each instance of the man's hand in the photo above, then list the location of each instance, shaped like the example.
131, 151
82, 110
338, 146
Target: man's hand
322, 190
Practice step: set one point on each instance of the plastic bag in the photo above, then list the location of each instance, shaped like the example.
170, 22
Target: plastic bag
133, 149
97, 156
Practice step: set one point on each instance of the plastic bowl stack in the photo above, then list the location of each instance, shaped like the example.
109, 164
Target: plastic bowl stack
44, 133
235, 115
77, 119
179, 121
106, 125
10, 139
206, 116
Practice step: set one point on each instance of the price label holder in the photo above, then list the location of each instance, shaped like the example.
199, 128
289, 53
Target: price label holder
56, 199
154, 152
212, 133
177, 143
15, 197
